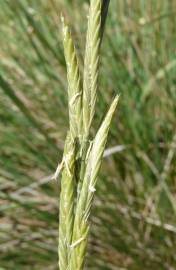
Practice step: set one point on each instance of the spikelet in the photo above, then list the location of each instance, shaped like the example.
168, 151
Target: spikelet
67, 195
91, 63
74, 82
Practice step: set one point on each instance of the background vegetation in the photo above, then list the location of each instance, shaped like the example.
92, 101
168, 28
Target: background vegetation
133, 222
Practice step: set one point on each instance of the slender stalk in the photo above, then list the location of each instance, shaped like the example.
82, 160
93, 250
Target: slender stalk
104, 12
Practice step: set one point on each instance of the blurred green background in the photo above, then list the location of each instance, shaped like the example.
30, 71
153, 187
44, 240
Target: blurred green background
134, 215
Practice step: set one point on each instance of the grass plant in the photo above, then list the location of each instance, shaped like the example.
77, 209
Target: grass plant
133, 215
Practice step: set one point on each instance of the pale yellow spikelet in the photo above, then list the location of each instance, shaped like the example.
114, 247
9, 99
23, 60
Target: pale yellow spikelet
91, 63
67, 195
74, 82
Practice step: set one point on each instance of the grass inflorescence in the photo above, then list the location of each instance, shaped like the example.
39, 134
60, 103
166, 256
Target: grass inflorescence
82, 156
134, 207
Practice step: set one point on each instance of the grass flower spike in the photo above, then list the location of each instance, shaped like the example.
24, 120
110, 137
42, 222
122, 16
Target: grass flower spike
82, 155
